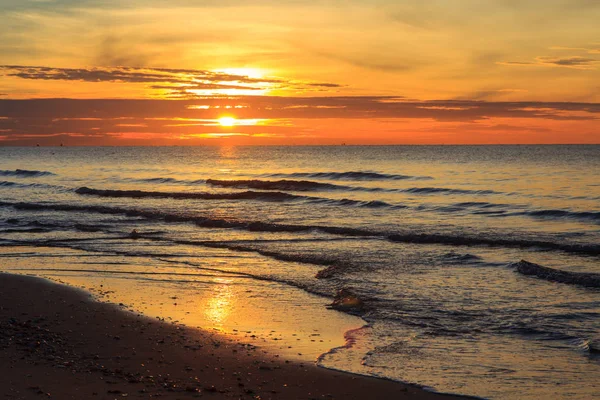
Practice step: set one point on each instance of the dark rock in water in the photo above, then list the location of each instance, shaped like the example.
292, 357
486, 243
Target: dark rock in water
134, 234
346, 300
556, 275
12, 221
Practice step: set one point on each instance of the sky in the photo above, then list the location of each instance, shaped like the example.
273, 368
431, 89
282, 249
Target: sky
295, 72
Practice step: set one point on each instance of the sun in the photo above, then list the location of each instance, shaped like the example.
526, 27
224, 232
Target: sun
227, 121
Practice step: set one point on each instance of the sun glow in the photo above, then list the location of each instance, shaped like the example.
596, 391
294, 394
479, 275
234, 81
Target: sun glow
227, 121
254, 73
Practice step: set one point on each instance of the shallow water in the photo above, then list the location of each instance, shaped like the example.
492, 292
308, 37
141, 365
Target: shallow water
425, 236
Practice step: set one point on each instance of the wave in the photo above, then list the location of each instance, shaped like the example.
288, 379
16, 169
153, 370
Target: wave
299, 258
10, 184
478, 204
355, 203
25, 230
563, 214
167, 180
457, 240
270, 278
306, 185
480, 208
158, 180
248, 195
281, 185
348, 176
587, 279
592, 346
460, 258
546, 214
260, 226
26, 185
497, 213
168, 257
125, 272
51, 226
276, 185
24, 173
432, 190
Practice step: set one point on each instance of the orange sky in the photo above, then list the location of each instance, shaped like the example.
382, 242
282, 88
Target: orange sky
299, 72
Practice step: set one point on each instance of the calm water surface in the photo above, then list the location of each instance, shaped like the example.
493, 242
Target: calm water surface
425, 236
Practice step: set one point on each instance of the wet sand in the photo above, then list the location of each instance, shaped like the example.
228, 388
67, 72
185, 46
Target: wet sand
57, 342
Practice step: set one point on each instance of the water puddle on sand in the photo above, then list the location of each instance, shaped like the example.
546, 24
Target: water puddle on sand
280, 319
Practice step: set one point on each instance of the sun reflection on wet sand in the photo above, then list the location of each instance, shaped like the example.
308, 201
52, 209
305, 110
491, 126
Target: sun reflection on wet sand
219, 306
291, 323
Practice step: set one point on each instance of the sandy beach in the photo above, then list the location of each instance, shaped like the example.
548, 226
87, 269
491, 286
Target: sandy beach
57, 342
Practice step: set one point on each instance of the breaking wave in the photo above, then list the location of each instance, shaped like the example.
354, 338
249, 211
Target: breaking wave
555, 275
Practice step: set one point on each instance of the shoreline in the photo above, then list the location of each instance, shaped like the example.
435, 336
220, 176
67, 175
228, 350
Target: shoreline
61, 342
266, 313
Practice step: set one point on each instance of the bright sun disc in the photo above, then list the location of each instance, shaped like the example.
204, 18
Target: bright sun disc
227, 121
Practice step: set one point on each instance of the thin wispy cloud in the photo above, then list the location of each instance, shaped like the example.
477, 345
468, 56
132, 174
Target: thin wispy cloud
575, 62
177, 82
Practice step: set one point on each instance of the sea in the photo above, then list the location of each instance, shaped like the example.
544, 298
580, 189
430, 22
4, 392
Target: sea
470, 269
